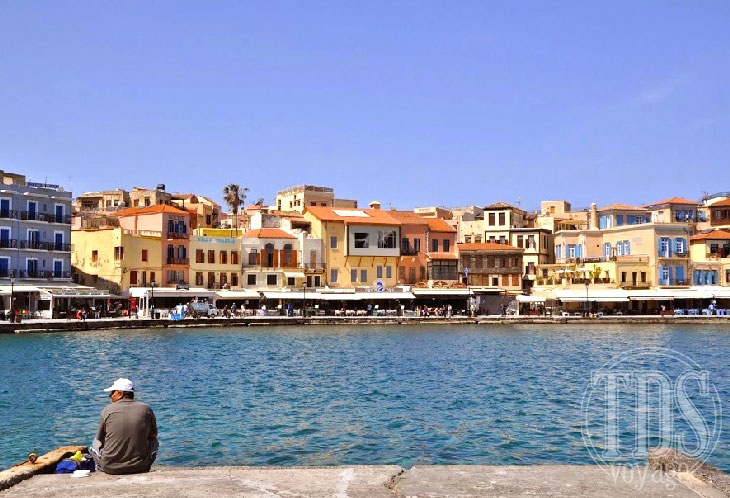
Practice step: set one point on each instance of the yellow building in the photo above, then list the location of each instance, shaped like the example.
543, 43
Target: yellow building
215, 258
710, 253
206, 211
116, 259
361, 246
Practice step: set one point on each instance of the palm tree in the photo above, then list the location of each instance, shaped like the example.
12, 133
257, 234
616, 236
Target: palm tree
235, 197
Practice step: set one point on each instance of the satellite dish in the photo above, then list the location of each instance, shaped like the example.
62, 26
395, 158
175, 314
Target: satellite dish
259, 202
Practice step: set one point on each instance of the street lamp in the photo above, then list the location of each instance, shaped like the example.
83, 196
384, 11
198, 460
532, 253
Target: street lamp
304, 298
152, 299
12, 297
587, 282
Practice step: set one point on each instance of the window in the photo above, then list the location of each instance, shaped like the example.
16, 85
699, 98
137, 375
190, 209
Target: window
333, 275
417, 245
333, 242
361, 240
422, 273
467, 239
502, 239
251, 279
519, 241
253, 257
501, 219
379, 272
387, 240
199, 278
234, 257
411, 276
388, 272
271, 279
118, 253
199, 256
664, 247
434, 245
152, 276
619, 220
531, 242
515, 280
288, 254
291, 281
477, 239
234, 279
490, 262
530, 268
679, 245
211, 256
446, 245
405, 245
95, 256
643, 277
144, 254
478, 261
402, 273
623, 277
363, 276
224, 279
495, 281
132, 277
491, 219
224, 257
505, 280
353, 275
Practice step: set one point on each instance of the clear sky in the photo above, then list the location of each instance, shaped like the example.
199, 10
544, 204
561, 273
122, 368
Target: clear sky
408, 102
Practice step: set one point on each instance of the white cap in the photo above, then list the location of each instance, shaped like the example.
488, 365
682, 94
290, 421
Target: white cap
121, 385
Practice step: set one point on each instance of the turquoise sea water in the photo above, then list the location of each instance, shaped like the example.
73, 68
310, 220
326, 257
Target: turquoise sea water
435, 394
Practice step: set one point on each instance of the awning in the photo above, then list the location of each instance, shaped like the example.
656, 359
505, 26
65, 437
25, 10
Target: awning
294, 274
338, 296
19, 289
531, 299
289, 295
594, 295
238, 294
443, 292
386, 295
172, 292
360, 296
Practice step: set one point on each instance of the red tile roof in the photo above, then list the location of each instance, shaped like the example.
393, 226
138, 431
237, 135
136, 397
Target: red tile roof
268, 233
487, 246
620, 206
723, 203
502, 205
407, 217
439, 225
714, 235
674, 200
156, 209
374, 216
442, 255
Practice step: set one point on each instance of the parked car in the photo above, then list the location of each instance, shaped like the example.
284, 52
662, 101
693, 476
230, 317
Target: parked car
203, 308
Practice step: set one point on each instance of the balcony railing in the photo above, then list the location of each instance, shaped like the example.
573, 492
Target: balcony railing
178, 261
313, 266
636, 285
34, 216
8, 214
409, 251
673, 254
41, 274
34, 244
8, 243
54, 246
177, 235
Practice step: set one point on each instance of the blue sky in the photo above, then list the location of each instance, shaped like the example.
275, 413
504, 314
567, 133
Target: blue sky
411, 103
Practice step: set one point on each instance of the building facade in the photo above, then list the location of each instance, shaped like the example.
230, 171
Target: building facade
490, 264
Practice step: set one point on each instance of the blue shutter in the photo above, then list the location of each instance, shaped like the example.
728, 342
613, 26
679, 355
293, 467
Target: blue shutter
627, 249
696, 279
680, 273
670, 275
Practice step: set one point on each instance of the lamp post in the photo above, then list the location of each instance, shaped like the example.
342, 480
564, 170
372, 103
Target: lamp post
304, 298
12, 297
587, 282
152, 299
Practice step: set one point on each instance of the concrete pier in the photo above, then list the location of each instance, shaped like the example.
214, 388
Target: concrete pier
457, 481
31, 326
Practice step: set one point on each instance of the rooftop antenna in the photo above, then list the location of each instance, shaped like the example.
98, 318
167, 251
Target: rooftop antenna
519, 201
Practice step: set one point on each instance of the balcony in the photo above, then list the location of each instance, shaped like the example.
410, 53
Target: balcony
635, 285
178, 261
54, 246
177, 235
673, 255
8, 214
8, 243
409, 251
52, 218
34, 244
41, 274
35, 216
30, 216
315, 267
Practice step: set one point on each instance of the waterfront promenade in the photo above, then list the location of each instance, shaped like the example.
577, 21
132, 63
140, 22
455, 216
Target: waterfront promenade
62, 325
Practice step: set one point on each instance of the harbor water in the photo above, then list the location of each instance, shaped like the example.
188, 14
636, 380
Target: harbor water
336, 395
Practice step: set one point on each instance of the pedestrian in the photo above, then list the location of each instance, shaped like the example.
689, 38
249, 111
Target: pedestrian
449, 311
126, 442
233, 309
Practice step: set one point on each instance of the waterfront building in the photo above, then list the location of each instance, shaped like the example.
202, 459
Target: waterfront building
710, 254
270, 259
676, 210
35, 240
101, 202
720, 214
301, 196
492, 266
361, 246
435, 212
172, 227
500, 219
215, 261
146, 197
539, 251
204, 212
469, 223
560, 215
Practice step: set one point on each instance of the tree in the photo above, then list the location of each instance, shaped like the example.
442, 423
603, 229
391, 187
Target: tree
235, 197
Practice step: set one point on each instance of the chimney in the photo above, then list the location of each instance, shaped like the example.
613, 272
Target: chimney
374, 205
594, 217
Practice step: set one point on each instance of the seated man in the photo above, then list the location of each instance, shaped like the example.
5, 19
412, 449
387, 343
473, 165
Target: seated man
126, 442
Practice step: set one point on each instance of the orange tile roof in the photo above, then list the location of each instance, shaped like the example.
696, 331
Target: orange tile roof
156, 209
487, 246
268, 233
407, 217
620, 206
442, 255
375, 216
673, 200
723, 203
439, 225
502, 205
714, 235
